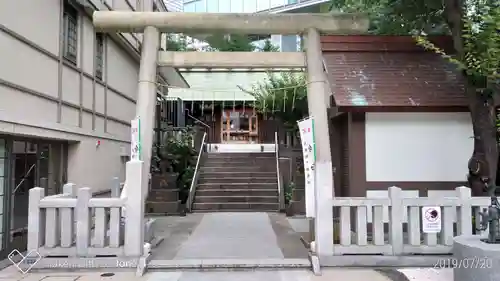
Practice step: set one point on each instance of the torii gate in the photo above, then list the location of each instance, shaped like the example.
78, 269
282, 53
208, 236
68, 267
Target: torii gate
152, 23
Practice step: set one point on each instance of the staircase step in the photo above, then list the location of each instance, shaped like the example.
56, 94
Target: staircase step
239, 161
236, 206
223, 180
271, 165
236, 192
221, 174
234, 211
163, 207
204, 186
255, 155
163, 195
234, 168
236, 199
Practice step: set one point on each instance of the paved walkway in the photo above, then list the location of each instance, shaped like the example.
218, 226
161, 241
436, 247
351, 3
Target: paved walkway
10, 274
232, 236
228, 236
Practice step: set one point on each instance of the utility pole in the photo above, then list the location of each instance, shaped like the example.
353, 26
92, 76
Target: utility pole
317, 88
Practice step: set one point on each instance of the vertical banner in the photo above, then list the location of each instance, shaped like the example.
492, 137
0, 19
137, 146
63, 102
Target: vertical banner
306, 129
135, 139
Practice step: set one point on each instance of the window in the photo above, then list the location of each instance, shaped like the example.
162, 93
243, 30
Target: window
99, 55
189, 7
250, 6
224, 6
236, 6
70, 18
200, 7
213, 6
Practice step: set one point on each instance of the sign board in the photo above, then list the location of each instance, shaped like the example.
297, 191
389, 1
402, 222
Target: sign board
431, 219
306, 130
135, 139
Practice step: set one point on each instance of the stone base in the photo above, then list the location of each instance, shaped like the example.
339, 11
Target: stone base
296, 208
474, 259
149, 230
165, 208
164, 181
163, 195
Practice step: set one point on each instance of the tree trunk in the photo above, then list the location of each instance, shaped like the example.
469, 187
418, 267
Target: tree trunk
484, 161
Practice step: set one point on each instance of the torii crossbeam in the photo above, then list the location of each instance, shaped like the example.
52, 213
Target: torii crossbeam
311, 25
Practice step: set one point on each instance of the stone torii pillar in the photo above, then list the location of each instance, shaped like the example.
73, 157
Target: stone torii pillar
151, 23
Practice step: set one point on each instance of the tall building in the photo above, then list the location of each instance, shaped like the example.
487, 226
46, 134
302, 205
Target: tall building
67, 96
174, 5
285, 43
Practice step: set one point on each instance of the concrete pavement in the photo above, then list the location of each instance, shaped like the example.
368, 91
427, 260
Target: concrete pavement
228, 236
11, 274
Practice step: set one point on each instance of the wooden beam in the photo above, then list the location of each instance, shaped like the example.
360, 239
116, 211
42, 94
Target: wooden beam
241, 23
232, 59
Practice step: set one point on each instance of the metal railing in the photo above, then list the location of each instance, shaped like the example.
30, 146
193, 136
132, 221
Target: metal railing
196, 120
194, 181
281, 192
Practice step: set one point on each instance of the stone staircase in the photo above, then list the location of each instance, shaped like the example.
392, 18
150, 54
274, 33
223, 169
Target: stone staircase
163, 197
237, 182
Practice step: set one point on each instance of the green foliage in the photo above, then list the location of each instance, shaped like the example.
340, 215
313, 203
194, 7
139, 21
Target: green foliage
269, 47
178, 43
398, 17
177, 154
283, 95
481, 37
177, 150
480, 43
478, 29
230, 43
289, 192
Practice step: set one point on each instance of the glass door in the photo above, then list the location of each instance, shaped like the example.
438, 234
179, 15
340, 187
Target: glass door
23, 178
33, 163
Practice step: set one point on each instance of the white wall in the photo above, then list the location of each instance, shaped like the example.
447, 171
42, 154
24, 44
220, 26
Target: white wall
418, 147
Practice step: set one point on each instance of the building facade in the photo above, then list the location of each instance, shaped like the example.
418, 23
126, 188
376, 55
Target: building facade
67, 95
289, 43
174, 5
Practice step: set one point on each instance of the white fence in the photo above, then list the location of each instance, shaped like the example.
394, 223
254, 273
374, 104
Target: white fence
401, 233
74, 224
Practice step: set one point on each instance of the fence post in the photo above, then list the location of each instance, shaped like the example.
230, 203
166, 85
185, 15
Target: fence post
115, 187
464, 212
83, 221
396, 220
36, 224
70, 188
134, 215
67, 218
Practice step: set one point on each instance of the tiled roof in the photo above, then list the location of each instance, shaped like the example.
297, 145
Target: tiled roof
389, 71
